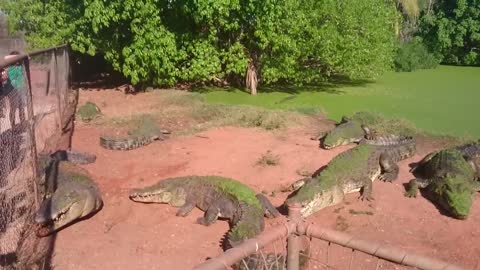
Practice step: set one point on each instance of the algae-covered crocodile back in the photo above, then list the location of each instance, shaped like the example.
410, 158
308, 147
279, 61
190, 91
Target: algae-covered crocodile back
450, 181
248, 220
348, 169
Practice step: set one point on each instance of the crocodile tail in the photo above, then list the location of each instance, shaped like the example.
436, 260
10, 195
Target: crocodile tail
126, 143
405, 147
389, 140
80, 157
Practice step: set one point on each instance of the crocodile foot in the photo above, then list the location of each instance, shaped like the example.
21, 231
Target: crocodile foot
388, 177
411, 194
367, 197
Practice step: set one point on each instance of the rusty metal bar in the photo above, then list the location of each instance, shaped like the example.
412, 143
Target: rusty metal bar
236, 254
379, 250
293, 241
19, 58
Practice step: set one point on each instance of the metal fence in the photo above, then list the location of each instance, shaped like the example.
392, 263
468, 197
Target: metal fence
36, 118
298, 245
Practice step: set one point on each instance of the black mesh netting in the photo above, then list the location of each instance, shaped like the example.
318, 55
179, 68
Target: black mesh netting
36, 119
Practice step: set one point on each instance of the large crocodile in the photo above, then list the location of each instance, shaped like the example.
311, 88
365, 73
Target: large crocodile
450, 178
218, 197
70, 194
351, 171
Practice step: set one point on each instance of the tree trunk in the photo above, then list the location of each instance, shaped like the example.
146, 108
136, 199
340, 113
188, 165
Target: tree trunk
251, 81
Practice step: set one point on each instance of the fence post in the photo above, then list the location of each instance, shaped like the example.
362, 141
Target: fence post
293, 241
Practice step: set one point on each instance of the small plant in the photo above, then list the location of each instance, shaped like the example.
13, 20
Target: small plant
414, 55
268, 159
88, 112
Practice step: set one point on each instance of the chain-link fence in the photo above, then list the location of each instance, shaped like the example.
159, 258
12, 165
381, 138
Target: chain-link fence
297, 245
36, 118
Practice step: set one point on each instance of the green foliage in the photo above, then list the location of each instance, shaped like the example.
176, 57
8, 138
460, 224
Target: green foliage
452, 31
160, 42
310, 40
414, 55
88, 112
44, 23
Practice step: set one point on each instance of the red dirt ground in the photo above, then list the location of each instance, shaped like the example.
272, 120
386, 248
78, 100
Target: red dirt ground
128, 235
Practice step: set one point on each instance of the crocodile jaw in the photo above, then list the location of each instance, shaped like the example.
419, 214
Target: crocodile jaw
65, 206
339, 142
50, 218
156, 196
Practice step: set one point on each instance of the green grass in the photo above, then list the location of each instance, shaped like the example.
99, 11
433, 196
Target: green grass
441, 101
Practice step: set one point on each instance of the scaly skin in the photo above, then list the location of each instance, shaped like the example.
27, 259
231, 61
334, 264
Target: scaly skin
72, 195
449, 179
127, 143
351, 171
349, 130
218, 197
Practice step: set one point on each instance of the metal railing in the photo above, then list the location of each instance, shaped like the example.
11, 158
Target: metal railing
340, 251
36, 117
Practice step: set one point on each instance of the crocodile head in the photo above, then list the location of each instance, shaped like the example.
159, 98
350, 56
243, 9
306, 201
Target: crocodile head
162, 192
64, 207
455, 194
343, 134
315, 195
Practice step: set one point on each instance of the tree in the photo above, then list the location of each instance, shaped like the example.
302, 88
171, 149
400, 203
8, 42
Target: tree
164, 42
44, 23
452, 31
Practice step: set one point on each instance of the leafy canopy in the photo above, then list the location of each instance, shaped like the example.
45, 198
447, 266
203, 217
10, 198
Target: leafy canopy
452, 31
164, 42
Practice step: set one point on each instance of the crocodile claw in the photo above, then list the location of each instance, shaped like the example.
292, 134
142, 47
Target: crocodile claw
366, 197
410, 194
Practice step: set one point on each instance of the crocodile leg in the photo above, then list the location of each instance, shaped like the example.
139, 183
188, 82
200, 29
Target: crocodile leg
269, 210
366, 190
476, 185
414, 185
210, 216
185, 209
389, 167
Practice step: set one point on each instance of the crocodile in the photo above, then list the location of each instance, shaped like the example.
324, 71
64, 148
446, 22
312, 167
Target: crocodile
130, 142
218, 197
351, 171
450, 178
144, 131
70, 193
351, 129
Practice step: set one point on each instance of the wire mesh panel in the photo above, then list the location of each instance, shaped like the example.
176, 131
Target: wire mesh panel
327, 255
312, 247
35, 106
18, 190
271, 257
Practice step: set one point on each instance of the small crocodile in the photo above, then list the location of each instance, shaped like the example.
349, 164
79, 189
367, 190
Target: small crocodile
218, 197
70, 195
351, 129
131, 142
450, 178
351, 171
144, 130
